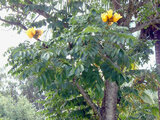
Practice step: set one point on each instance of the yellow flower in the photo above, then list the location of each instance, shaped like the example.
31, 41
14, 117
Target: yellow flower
116, 17
109, 17
109, 13
31, 32
38, 34
104, 17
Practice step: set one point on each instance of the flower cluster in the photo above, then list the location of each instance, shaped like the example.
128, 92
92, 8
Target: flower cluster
109, 17
32, 33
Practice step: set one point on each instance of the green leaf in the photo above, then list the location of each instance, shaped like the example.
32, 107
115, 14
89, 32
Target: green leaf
90, 29
46, 56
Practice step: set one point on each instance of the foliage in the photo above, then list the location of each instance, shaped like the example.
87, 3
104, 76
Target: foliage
81, 51
84, 49
144, 106
11, 109
11, 86
139, 97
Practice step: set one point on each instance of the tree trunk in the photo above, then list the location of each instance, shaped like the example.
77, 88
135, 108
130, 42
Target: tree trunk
109, 104
157, 51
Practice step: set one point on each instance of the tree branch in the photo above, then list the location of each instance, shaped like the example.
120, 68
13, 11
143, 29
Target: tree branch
116, 4
155, 7
40, 12
30, 2
21, 26
141, 26
130, 12
87, 98
14, 23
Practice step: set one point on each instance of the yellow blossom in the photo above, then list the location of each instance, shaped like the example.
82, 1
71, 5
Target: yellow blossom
109, 18
38, 34
31, 32
116, 17
104, 17
109, 13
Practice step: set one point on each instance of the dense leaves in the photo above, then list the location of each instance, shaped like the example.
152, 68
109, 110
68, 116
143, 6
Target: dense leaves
83, 50
89, 50
17, 110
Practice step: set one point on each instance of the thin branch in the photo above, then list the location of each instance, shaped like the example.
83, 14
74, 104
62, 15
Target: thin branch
155, 8
35, 19
30, 2
116, 4
138, 5
141, 26
87, 98
152, 21
14, 23
41, 12
141, 3
130, 12
23, 27
22, 6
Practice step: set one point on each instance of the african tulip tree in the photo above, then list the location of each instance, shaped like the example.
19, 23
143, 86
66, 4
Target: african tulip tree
88, 59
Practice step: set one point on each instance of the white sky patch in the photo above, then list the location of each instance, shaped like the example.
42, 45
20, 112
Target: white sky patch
151, 63
10, 38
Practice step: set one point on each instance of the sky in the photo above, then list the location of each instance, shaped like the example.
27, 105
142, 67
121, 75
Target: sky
9, 38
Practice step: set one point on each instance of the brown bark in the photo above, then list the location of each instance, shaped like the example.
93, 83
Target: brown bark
116, 4
109, 105
157, 50
141, 26
103, 109
14, 23
87, 99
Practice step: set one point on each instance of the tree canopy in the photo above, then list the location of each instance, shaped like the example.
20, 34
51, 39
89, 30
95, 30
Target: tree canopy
88, 67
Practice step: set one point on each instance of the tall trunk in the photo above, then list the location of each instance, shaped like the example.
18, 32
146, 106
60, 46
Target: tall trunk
157, 50
109, 105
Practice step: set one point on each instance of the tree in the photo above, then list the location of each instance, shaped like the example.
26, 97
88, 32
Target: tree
31, 92
8, 85
16, 102
17, 110
85, 57
152, 32
13, 87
